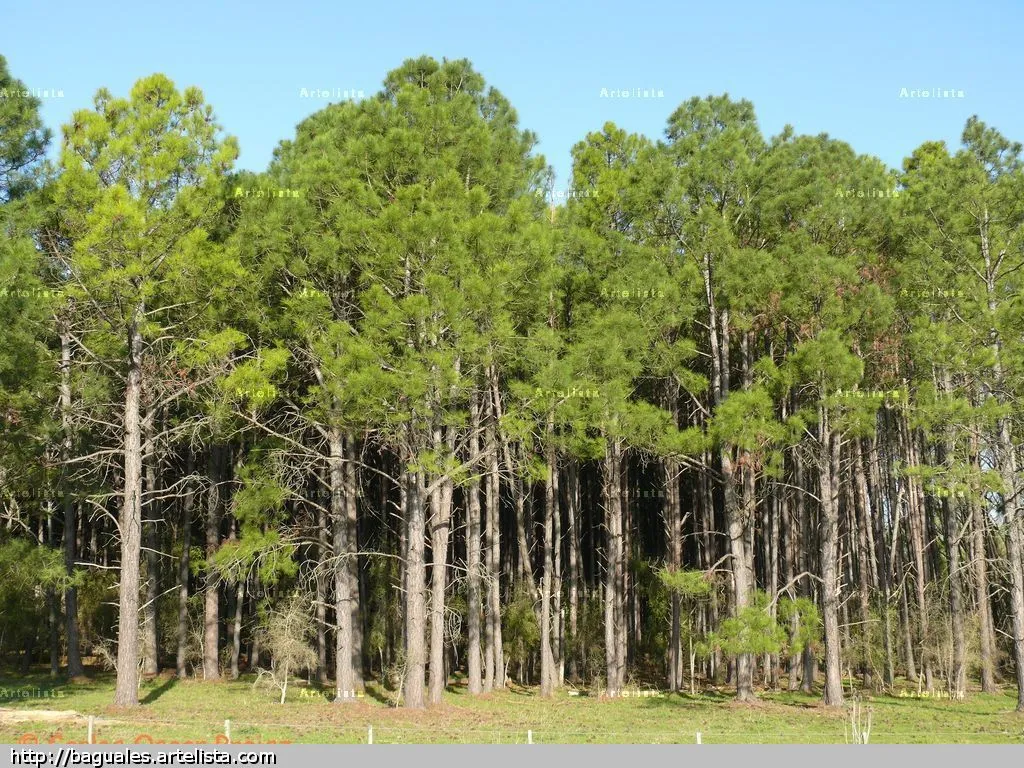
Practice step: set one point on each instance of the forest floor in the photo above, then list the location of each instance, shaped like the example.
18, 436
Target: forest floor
37, 709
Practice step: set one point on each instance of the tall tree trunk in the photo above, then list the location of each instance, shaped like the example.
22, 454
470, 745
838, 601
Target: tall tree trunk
614, 593
548, 677
344, 677
440, 524
958, 674
493, 538
807, 544
916, 521
882, 556
474, 606
352, 561
862, 522
944, 450
187, 503
416, 609
126, 692
211, 606
674, 536
1008, 471
742, 581
980, 564
573, 520
151, 509
75, 667
773, 549
1014, 551
320, 584
828, 479
558, 634
54, 625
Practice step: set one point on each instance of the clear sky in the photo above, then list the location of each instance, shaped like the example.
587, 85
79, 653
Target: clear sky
820, 65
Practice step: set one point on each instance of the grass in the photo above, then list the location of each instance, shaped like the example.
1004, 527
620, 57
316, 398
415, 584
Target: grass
176, 711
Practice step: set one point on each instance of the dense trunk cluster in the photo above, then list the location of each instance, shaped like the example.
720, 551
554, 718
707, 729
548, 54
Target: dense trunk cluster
726, 417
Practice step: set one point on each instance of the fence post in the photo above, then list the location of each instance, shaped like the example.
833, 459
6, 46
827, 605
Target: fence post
91, 721
227, 730
698, 738
529, 737
369, 735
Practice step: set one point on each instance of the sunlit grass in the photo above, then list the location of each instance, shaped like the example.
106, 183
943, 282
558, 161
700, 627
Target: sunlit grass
195, 711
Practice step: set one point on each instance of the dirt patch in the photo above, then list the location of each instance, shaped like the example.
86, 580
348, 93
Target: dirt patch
9, 716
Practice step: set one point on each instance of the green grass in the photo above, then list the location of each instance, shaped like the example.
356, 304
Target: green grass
194, 711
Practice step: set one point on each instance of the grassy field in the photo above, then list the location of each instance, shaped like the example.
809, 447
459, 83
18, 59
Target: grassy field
36, 709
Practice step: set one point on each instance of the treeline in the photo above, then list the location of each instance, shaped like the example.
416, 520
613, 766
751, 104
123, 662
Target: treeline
741, 411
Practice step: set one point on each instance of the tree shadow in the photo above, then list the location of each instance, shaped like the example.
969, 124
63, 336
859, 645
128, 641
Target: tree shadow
160, 690
378, 694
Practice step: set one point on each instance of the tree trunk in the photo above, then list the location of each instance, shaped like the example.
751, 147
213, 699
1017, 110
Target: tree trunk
211, 605
916, 521
558, 633
1014, 551
829, 566
416, 609
236, 632
614, 608
440, 524
75, 667
987, 644
320, 584
151, 508
573, 520
344, 682
183, 571
958, 673
126, 692
493, 536
862, 522
547, 660
742, 577
674, 535
473, 550
352, 561
883, 558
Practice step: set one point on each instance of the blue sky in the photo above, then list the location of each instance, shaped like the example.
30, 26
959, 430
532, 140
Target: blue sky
835, 67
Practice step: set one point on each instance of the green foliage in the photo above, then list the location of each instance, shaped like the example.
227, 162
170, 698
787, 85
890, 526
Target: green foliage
802, 620
687, 584
27, 572
519, 627
752, 631
24, 138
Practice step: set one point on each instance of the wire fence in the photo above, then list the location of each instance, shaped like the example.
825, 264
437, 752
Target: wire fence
94, 729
